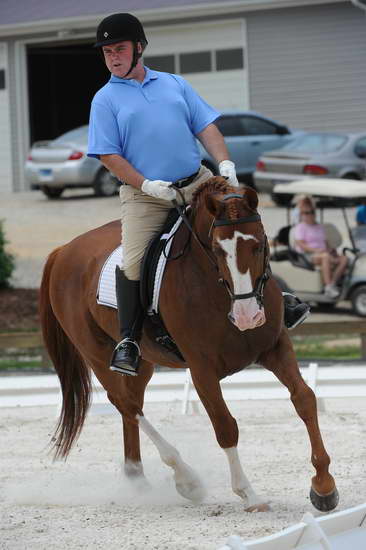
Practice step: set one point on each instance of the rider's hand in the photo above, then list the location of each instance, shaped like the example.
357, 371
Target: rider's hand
159, 189
227, 170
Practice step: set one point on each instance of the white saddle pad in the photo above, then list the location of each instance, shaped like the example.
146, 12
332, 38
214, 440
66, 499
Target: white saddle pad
106, 291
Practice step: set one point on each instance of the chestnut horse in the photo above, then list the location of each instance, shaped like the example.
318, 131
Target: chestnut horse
220, 329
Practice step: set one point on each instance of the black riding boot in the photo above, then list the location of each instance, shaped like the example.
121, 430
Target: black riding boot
126, 356
295, 310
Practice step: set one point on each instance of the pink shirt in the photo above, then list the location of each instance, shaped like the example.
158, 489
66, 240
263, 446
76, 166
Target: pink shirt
312, 234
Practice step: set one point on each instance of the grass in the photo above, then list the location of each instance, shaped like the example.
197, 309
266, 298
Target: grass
340, 348
9, 364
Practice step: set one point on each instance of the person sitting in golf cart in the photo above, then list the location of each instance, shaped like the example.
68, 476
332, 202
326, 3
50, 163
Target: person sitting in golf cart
310, 239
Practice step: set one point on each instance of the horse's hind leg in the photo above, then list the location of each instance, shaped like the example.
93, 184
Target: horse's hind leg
226, 430
282, 362
135, 387
125, 393
186, 480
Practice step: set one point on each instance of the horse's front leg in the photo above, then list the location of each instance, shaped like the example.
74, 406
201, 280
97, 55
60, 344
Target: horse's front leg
186, 480
282, 362
226, 430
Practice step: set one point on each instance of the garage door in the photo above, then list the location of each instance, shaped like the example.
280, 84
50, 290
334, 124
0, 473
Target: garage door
211, 56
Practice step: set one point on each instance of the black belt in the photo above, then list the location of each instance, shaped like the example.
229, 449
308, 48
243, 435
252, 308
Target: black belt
179, 183
185, 181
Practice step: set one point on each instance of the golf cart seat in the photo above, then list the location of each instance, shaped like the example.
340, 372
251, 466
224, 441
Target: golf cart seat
333, 236
359, 236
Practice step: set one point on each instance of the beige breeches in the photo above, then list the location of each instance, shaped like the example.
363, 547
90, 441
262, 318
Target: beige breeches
142, 217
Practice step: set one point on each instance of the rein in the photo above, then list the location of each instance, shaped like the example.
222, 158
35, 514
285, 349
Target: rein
258, 290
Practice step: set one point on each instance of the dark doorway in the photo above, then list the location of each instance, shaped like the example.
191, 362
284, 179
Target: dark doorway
62, 81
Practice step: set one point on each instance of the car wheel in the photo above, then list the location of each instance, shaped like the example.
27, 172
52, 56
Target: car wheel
351, 177
358, 300
281, 199
52, 192
105, 185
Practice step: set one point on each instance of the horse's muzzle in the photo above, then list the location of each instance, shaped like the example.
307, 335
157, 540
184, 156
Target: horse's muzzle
246, 315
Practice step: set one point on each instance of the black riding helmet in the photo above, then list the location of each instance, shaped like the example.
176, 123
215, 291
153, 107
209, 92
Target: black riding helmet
118, 27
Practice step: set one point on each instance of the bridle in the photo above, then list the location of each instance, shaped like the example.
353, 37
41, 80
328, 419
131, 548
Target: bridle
258, 290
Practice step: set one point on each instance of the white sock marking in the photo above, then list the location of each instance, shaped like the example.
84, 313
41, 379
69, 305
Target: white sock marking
187, 482
239, 482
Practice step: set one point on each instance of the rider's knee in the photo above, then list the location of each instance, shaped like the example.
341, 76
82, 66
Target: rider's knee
132, 271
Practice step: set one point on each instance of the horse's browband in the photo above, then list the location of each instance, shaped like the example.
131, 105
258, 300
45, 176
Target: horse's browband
246, 219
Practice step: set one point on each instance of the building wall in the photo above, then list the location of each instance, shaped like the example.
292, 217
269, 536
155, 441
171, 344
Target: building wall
223, 89
307, 66
5, 141
304, 66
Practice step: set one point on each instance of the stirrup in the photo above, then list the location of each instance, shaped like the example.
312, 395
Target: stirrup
125, 368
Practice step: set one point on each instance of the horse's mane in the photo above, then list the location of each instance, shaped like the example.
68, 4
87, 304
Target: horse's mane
216, 185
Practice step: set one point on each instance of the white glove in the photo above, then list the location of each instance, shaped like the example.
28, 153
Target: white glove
159, 189
227, 170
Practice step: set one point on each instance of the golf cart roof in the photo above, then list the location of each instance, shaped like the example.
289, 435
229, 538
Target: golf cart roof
324, 187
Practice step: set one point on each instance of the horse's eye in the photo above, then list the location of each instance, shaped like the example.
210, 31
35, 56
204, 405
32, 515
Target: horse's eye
258, 250
218, 250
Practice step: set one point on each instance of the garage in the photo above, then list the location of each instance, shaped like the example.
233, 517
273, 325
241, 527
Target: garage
62, 80
63, 77
211, 56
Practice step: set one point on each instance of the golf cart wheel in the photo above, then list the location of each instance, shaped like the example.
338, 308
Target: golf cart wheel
281, 199
52, 192
105, 185
358, 300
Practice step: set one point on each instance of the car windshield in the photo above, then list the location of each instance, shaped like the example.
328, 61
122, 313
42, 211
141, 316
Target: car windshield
78, 136
316, 143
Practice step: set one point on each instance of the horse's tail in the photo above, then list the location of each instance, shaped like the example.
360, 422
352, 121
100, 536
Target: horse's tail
73, 373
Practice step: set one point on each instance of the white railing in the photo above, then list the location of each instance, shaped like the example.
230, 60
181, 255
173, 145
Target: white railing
176, 385
345, 530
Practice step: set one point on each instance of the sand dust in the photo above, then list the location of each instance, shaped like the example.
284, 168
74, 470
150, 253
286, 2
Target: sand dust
87, 503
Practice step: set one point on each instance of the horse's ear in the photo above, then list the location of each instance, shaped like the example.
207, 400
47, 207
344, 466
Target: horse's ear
214, 205
252, 197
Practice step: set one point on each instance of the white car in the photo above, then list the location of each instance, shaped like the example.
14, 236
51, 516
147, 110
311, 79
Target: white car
62, 163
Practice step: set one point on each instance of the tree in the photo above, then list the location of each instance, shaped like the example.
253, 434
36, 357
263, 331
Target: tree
7, 263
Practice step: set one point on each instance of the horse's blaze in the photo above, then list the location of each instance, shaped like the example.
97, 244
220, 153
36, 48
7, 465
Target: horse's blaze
245, 314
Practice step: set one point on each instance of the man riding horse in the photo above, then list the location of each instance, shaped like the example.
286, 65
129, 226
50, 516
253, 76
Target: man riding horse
143, 128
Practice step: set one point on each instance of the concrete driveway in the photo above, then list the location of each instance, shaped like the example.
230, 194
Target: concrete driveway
35, 225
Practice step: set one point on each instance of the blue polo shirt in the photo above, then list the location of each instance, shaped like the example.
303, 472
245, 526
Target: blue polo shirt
151, 124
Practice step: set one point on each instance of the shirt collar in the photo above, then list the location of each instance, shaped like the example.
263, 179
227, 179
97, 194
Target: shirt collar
149, 75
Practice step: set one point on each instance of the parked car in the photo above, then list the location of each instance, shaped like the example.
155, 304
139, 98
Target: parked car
313, 154
53, 166
247, 135
62, 163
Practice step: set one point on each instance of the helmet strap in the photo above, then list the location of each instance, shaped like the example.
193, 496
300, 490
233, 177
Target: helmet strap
135, 57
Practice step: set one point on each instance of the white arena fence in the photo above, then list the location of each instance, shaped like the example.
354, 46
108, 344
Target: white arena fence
344, 530
176, 385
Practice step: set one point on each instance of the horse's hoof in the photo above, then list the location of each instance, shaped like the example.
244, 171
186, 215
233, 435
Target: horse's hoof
191, 491
324, 503
262, 507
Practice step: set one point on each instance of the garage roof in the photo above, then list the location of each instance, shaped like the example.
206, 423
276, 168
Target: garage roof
27, 12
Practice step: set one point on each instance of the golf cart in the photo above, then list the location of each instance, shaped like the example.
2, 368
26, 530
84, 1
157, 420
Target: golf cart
295, 272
